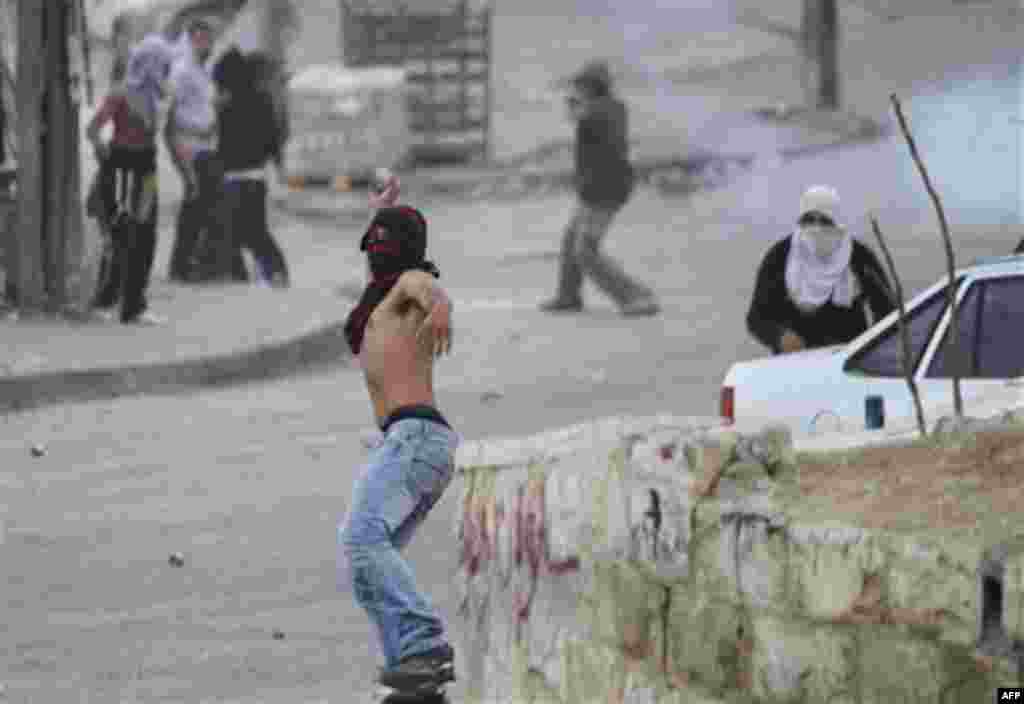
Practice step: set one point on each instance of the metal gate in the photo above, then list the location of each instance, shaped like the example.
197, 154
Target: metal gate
445, 47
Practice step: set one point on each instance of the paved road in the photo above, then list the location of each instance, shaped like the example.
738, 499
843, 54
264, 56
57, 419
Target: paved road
248, 483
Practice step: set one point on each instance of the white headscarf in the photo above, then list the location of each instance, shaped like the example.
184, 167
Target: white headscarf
818, 265
147, 68
181, 47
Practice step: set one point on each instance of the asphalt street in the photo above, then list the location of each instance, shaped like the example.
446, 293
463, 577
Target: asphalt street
248, 483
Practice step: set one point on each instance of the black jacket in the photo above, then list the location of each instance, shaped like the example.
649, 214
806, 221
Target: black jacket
772, 311
604, 175
248, 132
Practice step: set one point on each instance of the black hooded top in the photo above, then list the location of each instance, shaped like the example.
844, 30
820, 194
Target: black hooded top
772, 310
604, 173
395, 242
249, 133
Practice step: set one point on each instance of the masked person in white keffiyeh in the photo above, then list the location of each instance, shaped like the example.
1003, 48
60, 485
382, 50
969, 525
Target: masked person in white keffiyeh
125, 201
815, 286
818, 266
146, 73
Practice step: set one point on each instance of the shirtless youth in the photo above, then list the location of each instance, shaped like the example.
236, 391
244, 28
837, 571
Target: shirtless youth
401, 323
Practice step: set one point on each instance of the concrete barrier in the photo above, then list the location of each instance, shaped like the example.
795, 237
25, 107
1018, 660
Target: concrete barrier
672, 561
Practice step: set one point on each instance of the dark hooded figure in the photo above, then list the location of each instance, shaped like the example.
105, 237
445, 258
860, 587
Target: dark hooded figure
604, 182
248, 138
270, 76
395, 242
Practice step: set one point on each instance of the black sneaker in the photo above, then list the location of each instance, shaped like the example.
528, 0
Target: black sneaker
560, 305
393, 696
641, 307
423, 672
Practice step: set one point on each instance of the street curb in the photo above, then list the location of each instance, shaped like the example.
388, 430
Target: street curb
322, 348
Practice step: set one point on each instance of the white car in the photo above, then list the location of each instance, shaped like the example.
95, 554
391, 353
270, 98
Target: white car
826, 389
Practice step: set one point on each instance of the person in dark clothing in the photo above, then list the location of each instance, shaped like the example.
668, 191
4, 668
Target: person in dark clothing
604, 182
249, 137
813, 285
271, 76
128, 181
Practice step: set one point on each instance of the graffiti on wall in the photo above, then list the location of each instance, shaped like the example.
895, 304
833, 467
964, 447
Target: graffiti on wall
487, 523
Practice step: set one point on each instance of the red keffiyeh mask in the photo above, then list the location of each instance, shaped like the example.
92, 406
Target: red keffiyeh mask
395, 242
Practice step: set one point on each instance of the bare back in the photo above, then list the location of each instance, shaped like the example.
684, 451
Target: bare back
398, 363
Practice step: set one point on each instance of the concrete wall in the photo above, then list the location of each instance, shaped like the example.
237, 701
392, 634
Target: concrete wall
597, 566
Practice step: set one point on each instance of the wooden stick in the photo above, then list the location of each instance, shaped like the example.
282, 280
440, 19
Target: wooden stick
908, 366
954, 324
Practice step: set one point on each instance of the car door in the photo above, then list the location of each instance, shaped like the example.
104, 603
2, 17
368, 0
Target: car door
876, 364
991, 320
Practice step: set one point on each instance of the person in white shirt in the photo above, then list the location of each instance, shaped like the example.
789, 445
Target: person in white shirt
191, 136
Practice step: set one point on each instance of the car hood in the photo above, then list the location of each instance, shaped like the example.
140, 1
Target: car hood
805, 361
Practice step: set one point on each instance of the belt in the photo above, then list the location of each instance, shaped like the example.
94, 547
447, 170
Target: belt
419, 412
259, 174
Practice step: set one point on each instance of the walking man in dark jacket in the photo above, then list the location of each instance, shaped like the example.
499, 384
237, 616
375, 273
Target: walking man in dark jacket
604, 183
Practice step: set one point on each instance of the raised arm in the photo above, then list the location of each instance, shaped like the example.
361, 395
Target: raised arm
422, 288
386, 195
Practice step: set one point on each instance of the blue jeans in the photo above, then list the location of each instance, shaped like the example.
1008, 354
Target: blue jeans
404, 477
